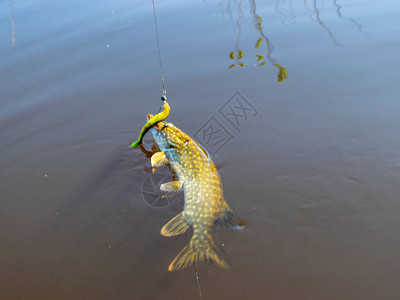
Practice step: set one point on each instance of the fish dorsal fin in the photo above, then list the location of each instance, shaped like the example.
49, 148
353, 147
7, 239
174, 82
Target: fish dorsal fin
228, 220
176, 226
202, 149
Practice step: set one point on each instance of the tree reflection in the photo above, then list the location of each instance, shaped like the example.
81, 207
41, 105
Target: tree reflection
339, 13
316, 13
285, 9
261, 60
322, 24
287, 13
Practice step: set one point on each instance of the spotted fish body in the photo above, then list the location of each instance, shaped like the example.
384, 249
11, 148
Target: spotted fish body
204, 208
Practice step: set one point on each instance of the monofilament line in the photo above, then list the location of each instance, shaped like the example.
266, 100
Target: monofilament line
198, 282
159, 51
196, 274
165, 94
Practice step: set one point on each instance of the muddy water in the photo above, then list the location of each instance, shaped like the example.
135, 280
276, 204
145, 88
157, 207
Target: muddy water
312, 165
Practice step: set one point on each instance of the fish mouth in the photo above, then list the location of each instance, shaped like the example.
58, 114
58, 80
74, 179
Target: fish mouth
156, 126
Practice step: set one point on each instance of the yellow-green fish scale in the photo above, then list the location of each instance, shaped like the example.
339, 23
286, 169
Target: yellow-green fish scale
198, 174
204, 206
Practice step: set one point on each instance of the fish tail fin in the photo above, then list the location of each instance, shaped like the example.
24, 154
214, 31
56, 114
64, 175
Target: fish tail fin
228, 220
192, 254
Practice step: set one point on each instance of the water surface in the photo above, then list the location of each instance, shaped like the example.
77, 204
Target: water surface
314, 174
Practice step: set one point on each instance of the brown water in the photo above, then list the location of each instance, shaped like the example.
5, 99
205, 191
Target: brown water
313, 169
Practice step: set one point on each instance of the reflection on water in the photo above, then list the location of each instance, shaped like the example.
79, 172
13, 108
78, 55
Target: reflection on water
339, 13
287, 13
238, 54
282, 72
12, 23
316, 13
322, 24
285, 9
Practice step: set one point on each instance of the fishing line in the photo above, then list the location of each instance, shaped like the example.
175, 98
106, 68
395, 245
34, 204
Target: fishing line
196, 274
164, 97
198, 282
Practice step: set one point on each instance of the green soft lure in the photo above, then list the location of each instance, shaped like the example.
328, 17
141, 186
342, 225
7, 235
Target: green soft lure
151, 122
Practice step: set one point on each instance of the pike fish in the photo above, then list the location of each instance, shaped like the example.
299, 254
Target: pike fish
204, 206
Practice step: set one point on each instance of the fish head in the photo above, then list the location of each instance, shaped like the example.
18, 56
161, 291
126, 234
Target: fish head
166, 135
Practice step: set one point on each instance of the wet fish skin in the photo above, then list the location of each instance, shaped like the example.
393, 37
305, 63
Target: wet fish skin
204, 208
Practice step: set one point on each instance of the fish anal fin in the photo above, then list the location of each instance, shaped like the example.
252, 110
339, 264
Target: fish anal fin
227, 221
176, 226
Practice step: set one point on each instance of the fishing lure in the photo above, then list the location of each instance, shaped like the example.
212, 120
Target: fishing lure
152, 121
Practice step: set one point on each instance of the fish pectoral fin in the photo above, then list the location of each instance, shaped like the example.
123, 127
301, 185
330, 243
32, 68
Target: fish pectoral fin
171, 189
158, 159
227, 221
172, 186
176, 226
